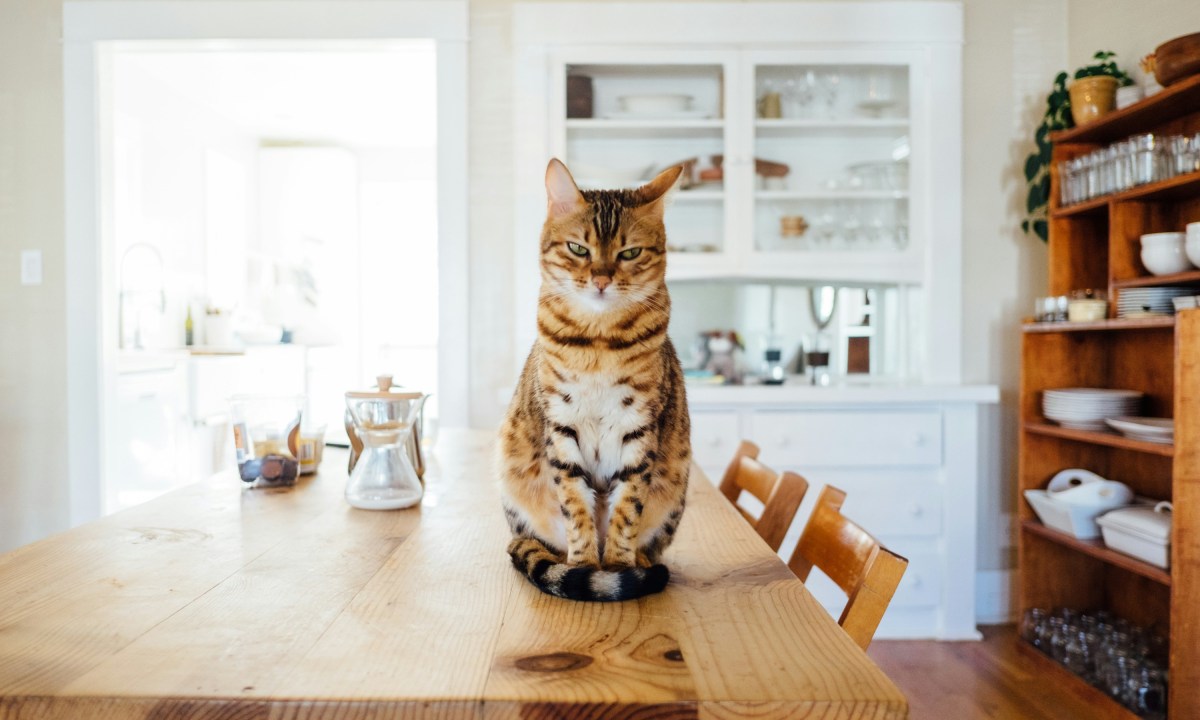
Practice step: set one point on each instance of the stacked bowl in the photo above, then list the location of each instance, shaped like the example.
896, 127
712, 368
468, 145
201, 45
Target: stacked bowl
1165, 253
1192, 242
1087, 408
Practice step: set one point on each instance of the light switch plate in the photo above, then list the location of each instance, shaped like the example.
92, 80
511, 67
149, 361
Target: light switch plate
31, 267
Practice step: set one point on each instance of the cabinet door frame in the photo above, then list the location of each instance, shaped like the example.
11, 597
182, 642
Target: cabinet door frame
928, 34
864, 266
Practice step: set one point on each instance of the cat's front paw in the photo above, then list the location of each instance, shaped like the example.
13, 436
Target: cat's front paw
584, 559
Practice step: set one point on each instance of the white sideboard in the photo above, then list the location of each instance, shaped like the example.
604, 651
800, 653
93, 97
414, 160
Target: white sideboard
908, 458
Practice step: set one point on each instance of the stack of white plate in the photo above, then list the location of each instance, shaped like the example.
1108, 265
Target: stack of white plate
1150, 429
1157, 300
1088, 408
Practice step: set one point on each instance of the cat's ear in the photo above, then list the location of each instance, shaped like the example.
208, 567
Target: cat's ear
658, 192
562, 195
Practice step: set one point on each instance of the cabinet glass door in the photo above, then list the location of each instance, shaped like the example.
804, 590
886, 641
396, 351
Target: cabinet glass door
626, 122
831, 158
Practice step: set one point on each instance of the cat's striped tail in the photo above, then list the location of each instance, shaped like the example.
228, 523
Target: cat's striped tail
546, 570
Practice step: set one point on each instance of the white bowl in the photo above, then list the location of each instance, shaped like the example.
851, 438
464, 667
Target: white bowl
1162, 237
1192, 245
1164, 253
656, 104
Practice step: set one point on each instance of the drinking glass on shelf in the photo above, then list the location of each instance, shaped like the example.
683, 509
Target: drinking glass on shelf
1179, 151
852, 226
797, 95
1031, 622
828, 83
1148, 692
827, 224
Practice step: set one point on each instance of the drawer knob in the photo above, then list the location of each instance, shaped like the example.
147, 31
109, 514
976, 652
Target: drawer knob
714, 441
915, 510
783, 441
918, 439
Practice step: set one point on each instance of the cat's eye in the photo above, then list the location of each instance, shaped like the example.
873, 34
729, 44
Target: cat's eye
577, 249
629, 254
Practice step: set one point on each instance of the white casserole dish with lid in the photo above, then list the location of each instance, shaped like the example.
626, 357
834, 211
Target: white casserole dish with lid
1143, 532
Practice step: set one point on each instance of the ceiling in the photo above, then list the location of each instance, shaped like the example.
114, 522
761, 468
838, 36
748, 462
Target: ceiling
374, 96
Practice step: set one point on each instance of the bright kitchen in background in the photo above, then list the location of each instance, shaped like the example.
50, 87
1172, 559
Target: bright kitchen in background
272, 217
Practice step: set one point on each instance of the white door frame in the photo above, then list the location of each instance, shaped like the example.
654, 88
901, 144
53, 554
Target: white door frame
89, 30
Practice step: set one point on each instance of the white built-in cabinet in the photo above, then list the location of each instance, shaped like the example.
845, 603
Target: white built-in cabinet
868, 123
869, 127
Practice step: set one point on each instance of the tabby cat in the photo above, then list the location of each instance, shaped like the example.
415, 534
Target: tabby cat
594, 452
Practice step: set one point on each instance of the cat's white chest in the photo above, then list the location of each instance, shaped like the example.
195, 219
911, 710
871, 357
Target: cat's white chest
595, 407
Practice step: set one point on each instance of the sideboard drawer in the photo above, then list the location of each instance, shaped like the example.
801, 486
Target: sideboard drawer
904, 503
848, 439
715, 436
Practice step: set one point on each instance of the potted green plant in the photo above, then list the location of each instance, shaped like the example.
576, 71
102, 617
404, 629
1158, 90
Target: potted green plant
1060, 115
1094, 91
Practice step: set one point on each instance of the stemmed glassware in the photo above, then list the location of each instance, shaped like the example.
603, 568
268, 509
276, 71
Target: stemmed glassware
828, 84
798, 92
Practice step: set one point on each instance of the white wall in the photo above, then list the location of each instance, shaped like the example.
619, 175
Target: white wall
1129, 29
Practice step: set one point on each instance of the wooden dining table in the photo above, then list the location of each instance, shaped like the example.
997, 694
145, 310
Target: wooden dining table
217, 601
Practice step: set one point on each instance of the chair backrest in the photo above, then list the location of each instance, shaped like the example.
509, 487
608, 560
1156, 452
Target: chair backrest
780, 494
863, 568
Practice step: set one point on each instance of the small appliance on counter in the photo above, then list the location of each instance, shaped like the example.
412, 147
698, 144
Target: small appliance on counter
386, 461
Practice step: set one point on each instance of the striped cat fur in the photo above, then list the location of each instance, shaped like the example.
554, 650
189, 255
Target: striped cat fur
594, 452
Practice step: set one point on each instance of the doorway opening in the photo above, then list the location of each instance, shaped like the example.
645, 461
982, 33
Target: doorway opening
290, 198
273, 220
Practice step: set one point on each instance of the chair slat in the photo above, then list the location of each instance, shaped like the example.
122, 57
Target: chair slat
865, 570
780, 495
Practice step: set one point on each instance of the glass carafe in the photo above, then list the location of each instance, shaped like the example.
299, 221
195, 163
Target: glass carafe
383, 478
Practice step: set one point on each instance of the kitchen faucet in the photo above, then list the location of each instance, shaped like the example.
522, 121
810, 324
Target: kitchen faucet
134, 294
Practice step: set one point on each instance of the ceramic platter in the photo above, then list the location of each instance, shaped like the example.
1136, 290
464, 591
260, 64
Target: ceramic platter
1150, 429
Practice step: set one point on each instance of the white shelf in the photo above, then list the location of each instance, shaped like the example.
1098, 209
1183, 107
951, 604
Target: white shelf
601, 127
790, 127
831, 194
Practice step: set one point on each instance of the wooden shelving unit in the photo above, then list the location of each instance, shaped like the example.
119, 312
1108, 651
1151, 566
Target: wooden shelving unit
1095, 245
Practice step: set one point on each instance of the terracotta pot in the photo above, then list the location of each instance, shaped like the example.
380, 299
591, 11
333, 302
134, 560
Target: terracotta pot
1092, 97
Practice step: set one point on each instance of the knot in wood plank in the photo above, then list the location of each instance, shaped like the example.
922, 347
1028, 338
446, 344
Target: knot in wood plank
554, 662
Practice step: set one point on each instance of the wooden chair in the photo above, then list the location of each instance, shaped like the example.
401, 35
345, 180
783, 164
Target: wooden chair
780, 494
863, 568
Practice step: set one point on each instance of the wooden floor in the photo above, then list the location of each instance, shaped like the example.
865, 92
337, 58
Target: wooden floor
988, 679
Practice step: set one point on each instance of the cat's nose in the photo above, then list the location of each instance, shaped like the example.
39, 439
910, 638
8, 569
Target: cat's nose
601, 282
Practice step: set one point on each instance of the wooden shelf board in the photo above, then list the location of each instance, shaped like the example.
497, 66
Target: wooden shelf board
1165, 321
1041, 665
1176, 188
1182, 98
1096, 437
1191, 277
1097, 549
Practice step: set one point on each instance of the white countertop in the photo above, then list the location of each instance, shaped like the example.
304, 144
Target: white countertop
840, 394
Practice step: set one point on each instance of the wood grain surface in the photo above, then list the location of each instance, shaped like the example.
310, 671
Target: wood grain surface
217, 602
